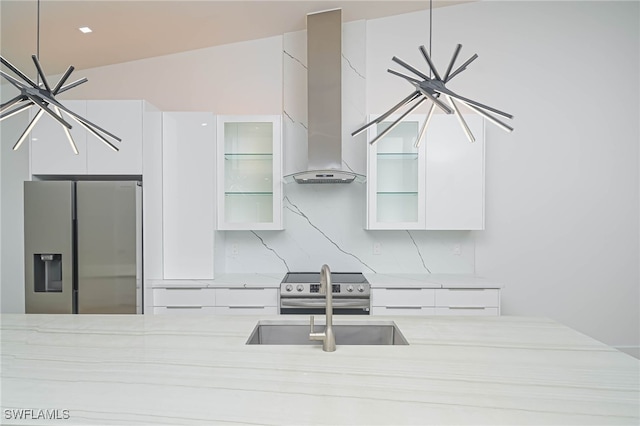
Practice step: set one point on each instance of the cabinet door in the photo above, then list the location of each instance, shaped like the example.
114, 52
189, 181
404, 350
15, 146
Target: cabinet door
455, 174
247, 297
123, 119
250, 165
188, 194
51, 152
395, 182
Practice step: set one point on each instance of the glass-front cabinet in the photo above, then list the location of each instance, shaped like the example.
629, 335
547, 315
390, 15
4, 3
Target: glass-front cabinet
436, 186
249, 172
396, 176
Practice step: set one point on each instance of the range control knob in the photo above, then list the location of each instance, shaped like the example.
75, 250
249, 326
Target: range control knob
360, 288
349, 288
289, 287
300, 287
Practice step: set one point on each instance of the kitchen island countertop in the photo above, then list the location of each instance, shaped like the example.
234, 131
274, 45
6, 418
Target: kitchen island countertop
197, 370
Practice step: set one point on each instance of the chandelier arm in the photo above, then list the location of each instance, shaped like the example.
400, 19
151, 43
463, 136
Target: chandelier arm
435, 100
85, 122
461, 67
453, 60
395, 123
63, 79
448, 92
43, 104
26, 132
410, 68
16, 110
11, 102
72, 85
423, 130
96, 134
399, 105
16, 83
41, 73
423, 50
489, 117
18, 72
461, 119
406, 77
67, 132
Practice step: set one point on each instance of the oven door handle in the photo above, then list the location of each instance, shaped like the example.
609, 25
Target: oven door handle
320, 303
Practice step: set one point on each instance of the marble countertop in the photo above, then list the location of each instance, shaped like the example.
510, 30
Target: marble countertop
273, 280
198, 370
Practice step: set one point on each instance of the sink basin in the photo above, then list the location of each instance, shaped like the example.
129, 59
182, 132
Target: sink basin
293, 332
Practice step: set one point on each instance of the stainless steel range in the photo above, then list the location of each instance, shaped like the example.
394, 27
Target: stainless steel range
300, 294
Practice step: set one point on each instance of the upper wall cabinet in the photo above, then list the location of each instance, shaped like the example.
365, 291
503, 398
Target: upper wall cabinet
249, 163
187, 194
436, 186
51, 153
396, 177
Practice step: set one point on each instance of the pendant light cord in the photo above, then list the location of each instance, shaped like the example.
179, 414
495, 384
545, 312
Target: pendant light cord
430, 30
38, 41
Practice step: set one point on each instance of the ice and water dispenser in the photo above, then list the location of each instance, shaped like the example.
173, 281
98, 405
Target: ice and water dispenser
47, 273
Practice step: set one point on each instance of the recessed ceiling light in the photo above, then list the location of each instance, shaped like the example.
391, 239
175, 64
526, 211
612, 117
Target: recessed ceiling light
85, 29
204, 124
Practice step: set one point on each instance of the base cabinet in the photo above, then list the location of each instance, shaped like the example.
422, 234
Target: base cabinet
218, 301
439, 301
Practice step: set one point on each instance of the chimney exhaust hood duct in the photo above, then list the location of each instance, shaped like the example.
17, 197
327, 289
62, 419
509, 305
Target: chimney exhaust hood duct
324, 97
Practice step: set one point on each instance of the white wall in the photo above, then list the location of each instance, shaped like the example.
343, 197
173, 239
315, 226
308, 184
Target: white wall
562, 189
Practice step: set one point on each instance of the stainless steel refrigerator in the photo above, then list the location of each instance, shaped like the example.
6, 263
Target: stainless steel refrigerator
83, 247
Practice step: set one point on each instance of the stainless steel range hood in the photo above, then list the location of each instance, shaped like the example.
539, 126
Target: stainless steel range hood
324, 97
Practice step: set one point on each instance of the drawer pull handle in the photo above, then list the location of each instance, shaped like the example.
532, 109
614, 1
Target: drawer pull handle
183, 288
184, 307
467, 307
404, 288
466, 289
246, 288
245, 307
404, 307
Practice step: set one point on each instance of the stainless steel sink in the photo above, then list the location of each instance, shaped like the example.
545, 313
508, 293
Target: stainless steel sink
295, 332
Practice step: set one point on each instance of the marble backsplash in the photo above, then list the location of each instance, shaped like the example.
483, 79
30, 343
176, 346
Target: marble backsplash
325, 223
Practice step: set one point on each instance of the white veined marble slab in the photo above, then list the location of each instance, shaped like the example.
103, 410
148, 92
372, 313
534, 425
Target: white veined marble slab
197, 370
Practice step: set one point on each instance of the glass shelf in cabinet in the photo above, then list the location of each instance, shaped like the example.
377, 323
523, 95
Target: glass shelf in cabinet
397, 155
236, 156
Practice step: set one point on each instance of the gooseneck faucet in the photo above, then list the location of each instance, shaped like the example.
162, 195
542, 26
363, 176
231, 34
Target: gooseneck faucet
327, 336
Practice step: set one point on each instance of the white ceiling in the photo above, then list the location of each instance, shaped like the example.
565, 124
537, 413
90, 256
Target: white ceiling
129, 30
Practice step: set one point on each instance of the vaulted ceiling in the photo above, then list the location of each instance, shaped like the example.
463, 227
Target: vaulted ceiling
130, 30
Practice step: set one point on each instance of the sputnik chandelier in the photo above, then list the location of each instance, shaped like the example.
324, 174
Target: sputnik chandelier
432, 88
42, 96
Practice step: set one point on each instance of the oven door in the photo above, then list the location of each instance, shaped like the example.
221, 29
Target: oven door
317, 305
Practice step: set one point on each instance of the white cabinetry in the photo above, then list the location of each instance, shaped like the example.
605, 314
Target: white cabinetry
467, 301
438, 301
182, 299
402, 301
437, 186
249, 161
188, 195
51, 153
455, 174
396, 177
246, 301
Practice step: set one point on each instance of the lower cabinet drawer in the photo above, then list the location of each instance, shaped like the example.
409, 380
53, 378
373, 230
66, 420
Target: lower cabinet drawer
480, 311
184, 310
247, 297
184, 296
246, 310
401, 310
403, 297
467, 297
